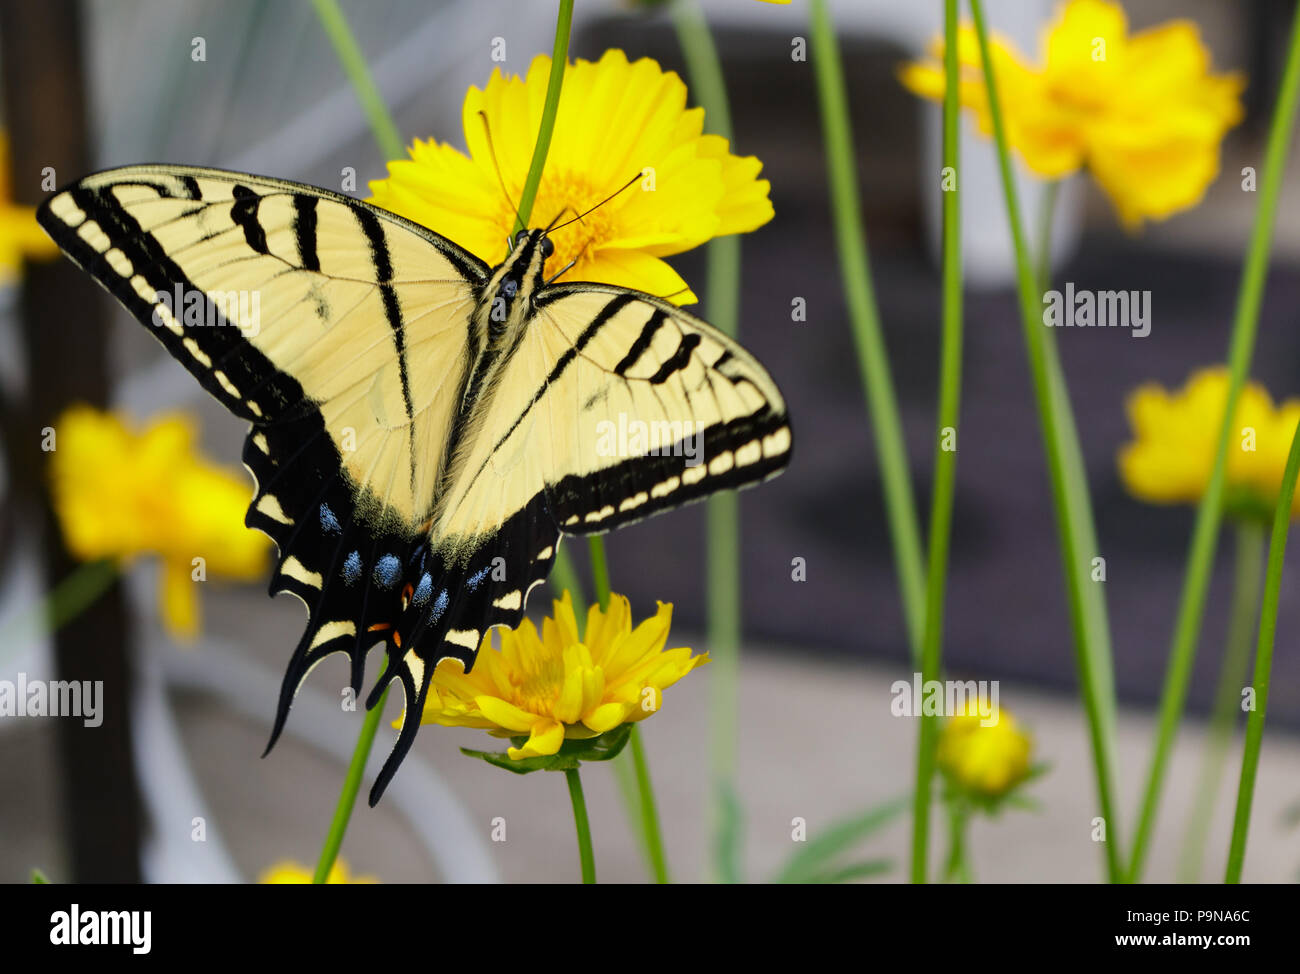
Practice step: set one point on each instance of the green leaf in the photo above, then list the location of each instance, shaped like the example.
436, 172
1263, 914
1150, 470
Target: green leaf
39, 878
814, 857
570, 756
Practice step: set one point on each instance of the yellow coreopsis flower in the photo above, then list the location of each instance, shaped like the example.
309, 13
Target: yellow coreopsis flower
120, 493
289, 872
561, 685
20, 235
617, 121
1141, 112
1176, 434
984, 761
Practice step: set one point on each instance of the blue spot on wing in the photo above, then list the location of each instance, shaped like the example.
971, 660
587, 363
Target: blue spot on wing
423, 590
388, 570
328, 522
475, 580
440, 605
352, 567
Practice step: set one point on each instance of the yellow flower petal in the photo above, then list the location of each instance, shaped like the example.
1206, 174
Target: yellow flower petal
1143, 112
623, 138
561, 686
121, 493
180, 602
607, 716
545, 739
506, 715
988, 760
1170, 459
21, 237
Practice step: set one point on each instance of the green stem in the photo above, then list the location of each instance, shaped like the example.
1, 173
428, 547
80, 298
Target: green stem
565, 579
1247, 578
957, 869
722, 515
1205, 533
1046, 215
363, 83
599, 570
859, 294
1263, 656
945, 453
1069, 487
559, 61
351, 786
650, 828
1099, 662
582, 824
637, 789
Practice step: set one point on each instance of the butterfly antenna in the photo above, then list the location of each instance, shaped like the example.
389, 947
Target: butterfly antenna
563, 210
601, 203
487, 130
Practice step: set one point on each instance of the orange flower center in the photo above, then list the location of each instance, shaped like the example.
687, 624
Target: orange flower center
561, 197
539, 687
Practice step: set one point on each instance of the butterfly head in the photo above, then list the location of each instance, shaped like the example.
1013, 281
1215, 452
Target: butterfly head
528, 252
507, 301
537, 237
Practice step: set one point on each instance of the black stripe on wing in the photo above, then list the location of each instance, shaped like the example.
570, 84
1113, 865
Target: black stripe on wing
131, 264
736, 454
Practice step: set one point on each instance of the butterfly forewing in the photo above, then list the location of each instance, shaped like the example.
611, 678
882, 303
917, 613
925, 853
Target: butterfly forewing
652, 409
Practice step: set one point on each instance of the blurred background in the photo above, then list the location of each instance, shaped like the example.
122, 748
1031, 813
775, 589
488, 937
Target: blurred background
816, 740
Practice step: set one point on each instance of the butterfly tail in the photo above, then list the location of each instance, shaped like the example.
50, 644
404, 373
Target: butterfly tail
452, 605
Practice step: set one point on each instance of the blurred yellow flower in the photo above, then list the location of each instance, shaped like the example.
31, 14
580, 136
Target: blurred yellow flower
120, 493
20, 235
560, 685
286, 871
1175, 435
984, 761
616, 121
1141, 112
